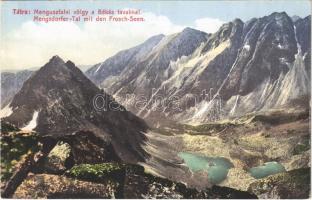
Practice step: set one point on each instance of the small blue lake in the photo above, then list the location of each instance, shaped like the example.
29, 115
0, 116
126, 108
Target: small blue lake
217, 167
267, 169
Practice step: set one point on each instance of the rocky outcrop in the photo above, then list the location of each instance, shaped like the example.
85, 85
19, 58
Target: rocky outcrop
55, 162
44, 154
28, 163
287, 185
86, 147
54, 186
14, 149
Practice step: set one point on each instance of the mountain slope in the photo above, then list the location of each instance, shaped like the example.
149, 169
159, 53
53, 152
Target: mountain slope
114, 65
268, 71
149, 70
58, 100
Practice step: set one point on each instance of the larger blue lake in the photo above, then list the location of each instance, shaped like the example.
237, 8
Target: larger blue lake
217, 167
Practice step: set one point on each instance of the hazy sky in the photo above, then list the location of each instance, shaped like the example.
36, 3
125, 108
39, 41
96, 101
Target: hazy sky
27, 44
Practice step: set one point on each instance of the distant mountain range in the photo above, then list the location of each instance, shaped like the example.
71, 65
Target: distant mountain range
11, 83
194, 77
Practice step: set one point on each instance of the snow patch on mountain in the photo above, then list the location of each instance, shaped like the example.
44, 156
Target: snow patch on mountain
235, 105
6, 111
98, 68
247, 47
182, 67
33, 122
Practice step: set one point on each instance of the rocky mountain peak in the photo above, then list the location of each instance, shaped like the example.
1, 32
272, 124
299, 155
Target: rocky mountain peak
58, 100
228, 31
237, 21
56, 60
55, 66
155, 38
192, 37
280, 18
189, 32
295, 18
278, 15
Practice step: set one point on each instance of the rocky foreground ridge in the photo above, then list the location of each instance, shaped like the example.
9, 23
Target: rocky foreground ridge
50, 168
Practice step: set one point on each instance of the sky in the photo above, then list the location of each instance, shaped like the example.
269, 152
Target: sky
28, 44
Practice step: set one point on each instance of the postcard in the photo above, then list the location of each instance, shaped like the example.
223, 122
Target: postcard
155, 99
